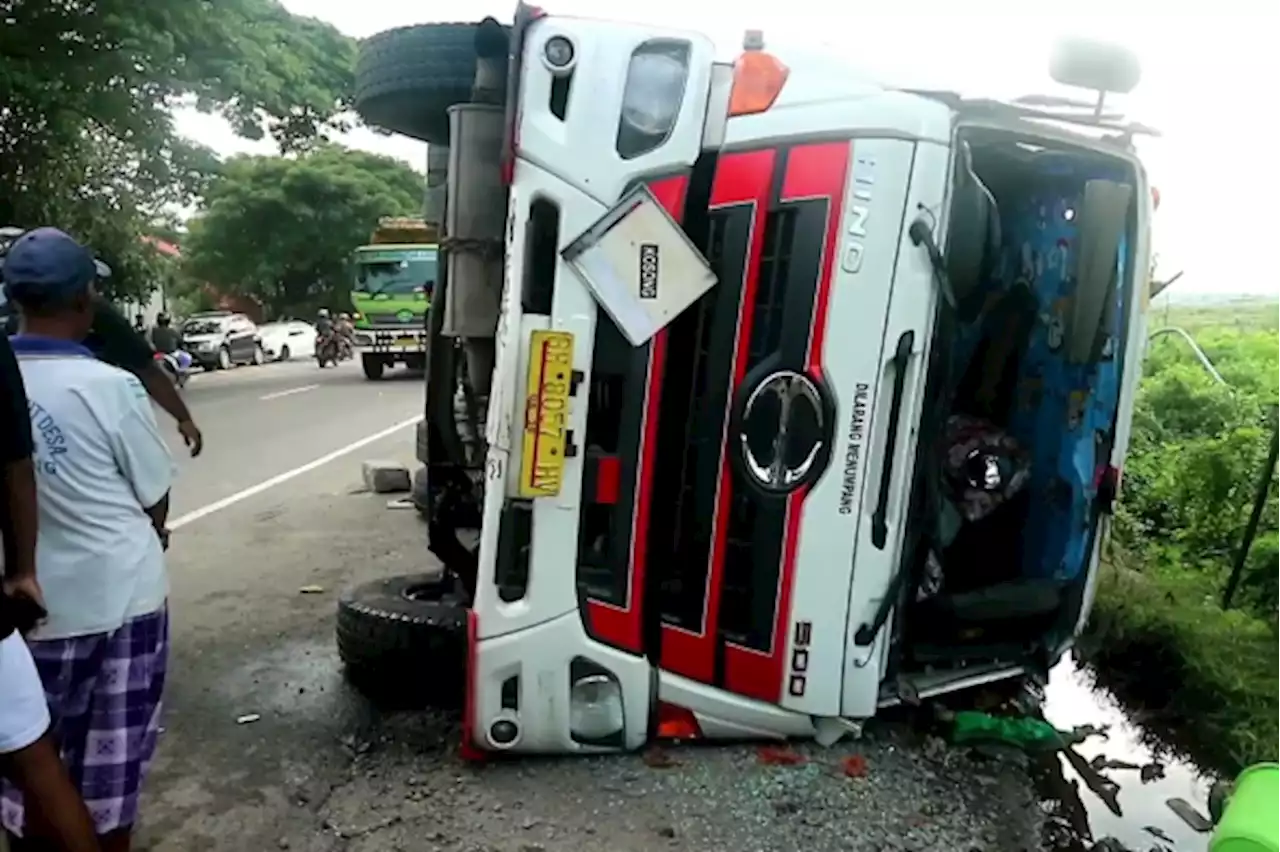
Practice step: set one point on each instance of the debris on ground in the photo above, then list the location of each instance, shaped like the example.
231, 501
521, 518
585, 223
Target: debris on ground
1107, 791
1188, 814
311, 590
1153, 771
248, 718
1080, 733
385, 477
1102, 763
401, 503
854, 766
1219, 794
1109, 844
659, 758
973, 727
780, 756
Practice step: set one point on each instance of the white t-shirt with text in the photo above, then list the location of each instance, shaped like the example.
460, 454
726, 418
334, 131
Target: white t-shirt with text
99, 459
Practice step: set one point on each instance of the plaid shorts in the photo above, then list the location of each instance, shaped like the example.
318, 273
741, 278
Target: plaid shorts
104, 696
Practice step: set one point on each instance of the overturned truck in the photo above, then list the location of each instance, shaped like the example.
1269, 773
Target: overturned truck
760, 396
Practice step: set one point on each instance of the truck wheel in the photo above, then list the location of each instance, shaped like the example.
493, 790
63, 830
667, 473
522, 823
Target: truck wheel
407, 78
372, 366
403, 641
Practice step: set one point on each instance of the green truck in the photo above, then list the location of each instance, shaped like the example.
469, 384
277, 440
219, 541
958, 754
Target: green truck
394, 277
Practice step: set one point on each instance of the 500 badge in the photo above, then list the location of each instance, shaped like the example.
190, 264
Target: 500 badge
802, 635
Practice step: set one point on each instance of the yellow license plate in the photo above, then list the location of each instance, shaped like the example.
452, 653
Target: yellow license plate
406, 341
546, 413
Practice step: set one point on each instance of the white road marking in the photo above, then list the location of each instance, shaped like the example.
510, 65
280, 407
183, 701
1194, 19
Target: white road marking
288, 392
219, 505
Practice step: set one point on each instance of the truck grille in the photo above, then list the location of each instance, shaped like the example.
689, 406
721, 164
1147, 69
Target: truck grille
710, 550
390, 319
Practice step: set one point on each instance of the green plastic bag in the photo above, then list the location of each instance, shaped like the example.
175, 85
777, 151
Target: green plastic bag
972, 727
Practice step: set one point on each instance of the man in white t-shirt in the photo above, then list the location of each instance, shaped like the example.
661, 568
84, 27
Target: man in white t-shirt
103, 474
28, 755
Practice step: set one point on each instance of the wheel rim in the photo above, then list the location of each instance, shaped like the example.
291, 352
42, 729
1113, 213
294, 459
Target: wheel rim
224, 359
257, 355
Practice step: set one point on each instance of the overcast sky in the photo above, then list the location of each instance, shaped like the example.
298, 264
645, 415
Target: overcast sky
1208, 83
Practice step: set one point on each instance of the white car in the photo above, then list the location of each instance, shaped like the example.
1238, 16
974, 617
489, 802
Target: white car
290, 339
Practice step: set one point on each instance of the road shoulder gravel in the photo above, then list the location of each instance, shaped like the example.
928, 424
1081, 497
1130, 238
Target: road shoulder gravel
320, 770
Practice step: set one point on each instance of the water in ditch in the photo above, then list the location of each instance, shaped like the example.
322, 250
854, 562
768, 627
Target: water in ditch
1118, 782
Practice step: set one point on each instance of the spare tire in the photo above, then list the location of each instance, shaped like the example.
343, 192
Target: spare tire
403, 641
407, 78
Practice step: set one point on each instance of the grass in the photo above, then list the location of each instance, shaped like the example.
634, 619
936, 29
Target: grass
1160, 640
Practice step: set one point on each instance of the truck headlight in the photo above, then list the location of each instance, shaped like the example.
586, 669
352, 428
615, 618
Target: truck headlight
595, 708
558, 54
651, 102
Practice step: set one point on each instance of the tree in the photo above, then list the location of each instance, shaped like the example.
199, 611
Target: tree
282, 229
86, 89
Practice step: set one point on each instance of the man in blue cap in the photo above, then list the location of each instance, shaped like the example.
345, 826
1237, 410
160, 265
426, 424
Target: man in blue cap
103, 475
28, 754
112, 339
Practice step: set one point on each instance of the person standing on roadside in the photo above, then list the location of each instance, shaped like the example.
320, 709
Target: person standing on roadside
29, 756
103, 475
114, 341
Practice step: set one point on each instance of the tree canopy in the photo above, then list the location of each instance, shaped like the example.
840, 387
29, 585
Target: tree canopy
283, 229
86, 91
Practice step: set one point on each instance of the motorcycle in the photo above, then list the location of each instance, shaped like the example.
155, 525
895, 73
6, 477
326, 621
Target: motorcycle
328, 350
176, 365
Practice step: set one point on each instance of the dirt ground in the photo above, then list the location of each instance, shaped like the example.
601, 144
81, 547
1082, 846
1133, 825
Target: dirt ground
321, 770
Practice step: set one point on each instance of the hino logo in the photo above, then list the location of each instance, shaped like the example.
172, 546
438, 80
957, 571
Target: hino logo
858, 215
782, 429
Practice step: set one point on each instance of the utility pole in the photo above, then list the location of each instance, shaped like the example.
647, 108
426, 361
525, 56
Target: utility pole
1255, 517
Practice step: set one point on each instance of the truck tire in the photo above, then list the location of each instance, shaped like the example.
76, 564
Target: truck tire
372, 366
403, 641
408, 77
420, 493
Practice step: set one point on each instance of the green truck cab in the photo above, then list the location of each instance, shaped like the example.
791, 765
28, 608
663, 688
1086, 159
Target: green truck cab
394, 278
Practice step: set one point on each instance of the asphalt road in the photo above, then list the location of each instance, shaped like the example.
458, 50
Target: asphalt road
261, 422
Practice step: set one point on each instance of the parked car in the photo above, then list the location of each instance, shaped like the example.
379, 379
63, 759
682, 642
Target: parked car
218, 340
289, 339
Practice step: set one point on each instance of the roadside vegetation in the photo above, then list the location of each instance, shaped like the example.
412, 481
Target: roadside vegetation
280, 230
1159, 636
87, 141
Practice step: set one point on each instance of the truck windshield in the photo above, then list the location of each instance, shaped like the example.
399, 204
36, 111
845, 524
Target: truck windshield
396, 277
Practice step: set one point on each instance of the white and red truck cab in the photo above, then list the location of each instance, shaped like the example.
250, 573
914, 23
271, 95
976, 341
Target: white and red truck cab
808, 395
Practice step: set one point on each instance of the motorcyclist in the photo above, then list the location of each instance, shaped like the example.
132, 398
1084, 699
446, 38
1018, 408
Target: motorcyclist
164, 337
324, 325
346, 332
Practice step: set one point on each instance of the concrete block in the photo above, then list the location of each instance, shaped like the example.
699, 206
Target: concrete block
385, 477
